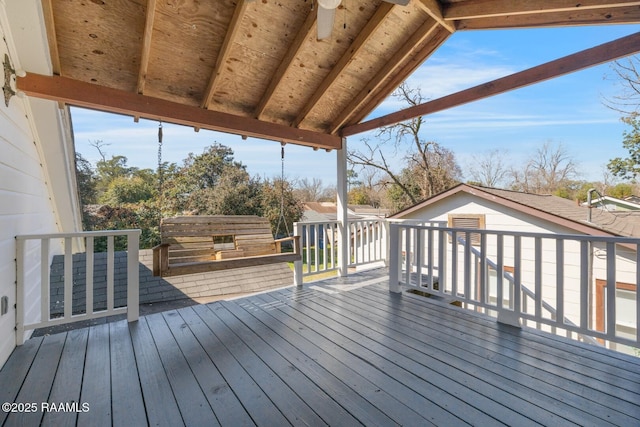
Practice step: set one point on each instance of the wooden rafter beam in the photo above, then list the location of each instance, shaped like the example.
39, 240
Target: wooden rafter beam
618, 15
438, 37
426, 30
596, 55
52, 40
102, 98
225, 50
47, 11
433, 9
308, 29
493, 8
360, 41
146, 45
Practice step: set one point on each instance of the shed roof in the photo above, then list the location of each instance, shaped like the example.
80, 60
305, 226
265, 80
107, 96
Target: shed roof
256, 68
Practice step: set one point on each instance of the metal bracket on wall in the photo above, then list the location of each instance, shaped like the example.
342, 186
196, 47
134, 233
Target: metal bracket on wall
8, 72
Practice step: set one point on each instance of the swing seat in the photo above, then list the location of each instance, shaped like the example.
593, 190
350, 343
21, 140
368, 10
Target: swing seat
197, 244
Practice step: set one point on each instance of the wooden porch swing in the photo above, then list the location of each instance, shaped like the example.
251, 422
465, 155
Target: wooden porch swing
197, 244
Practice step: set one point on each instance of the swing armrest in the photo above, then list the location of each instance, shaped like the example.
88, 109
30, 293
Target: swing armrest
294, 239
160, 259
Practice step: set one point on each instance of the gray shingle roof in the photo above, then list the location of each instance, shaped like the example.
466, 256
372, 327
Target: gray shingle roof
625, 223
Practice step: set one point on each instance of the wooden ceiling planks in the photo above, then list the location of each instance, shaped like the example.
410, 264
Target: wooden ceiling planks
261, 60
86, 46
306, 31
401, 56
363, 37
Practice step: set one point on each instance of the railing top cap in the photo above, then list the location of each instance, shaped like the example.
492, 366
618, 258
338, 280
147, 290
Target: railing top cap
80, 234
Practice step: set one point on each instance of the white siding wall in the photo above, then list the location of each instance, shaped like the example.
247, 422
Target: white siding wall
37, 185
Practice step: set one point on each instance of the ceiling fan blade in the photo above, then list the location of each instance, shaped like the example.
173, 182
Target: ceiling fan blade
400, 2
325, 22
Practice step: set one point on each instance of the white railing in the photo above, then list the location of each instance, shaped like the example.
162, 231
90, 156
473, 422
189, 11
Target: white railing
38, 247
367, 244
486, 271
367, 241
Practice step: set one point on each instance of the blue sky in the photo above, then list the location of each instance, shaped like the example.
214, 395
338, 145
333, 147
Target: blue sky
568, 110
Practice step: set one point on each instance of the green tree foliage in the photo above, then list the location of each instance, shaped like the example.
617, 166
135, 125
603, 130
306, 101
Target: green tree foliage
109, 169
86, 182
272, 196
211, 183
629, 167
133, 189
127, 216
192, 186
235, 193
621, 190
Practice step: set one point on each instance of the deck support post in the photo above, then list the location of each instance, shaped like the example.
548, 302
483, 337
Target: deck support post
297, 265
394, 258
342, 218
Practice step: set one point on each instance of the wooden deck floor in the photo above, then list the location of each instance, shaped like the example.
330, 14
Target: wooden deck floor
319, 356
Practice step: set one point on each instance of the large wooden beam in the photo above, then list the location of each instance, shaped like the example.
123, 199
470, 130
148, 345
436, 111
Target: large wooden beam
596, 55
619, 15
492, 8
52, 39
225, 51
437, 37
426, 30
308, 28
360, 41
146, 45
434, 10
101, 98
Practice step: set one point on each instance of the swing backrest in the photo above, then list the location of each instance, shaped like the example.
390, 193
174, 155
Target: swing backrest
206, 238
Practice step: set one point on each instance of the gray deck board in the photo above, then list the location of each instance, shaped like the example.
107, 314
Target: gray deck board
320, 357
14, 372
353, 402
223, 401
96, 381
290, 405
194, 407
126, 395
37, 384
262, 410
544, 372
376, 385
472, 396
162, 408
459, 358
68, 381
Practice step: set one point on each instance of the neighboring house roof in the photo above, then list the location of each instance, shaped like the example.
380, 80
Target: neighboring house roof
327, 211
321, 211
633, 199
548, 207
608, 202
369, 211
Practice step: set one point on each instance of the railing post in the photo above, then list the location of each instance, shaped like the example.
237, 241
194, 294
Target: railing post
394, 258
20, 243
297, 265
343, 226
386, 241
133, 276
